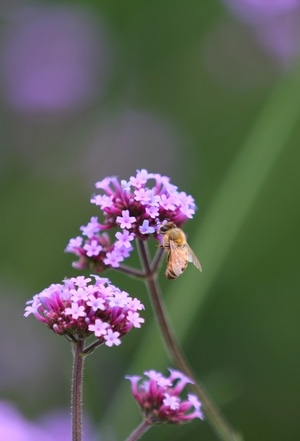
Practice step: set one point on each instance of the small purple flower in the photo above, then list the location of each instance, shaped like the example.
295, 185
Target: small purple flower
145, 228
135, 319
160, 398
113, 258
125, 220
124, 239
91, 228
79, 306
75, 311
99, 328
136, 208
74, 245
92, 248
112, 338
97, 255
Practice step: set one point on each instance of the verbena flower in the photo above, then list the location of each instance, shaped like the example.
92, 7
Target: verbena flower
80, 307
135, 208
159, 397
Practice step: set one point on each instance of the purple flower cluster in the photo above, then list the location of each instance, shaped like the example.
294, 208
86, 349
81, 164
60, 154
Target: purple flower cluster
137, 208
159, 397
80, 308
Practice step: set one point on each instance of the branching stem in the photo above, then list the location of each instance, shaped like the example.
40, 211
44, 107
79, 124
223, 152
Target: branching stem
213, 414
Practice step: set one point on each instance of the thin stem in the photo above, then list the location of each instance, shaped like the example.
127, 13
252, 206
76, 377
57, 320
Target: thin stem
90, 349
157, 259
139, 431
159, 308
144, 256
141, 274
76, 393
133, 272
213, 414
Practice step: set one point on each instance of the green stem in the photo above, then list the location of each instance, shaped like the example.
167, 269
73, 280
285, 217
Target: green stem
76, 392
213, 414
139, 431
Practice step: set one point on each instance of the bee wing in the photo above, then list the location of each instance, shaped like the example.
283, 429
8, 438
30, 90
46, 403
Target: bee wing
177, 260
191, 257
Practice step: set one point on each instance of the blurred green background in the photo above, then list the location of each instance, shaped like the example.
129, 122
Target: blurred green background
191, 90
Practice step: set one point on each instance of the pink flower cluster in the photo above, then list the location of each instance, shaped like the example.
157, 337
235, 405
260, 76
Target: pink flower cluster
159, 397
137, 208
80, 308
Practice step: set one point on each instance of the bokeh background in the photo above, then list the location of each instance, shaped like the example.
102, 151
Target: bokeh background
207, 93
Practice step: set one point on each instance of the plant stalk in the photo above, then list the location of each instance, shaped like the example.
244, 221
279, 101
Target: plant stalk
139, 431
76, 391
213, 414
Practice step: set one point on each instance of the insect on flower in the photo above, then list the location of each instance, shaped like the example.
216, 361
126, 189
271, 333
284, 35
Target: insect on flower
179, 251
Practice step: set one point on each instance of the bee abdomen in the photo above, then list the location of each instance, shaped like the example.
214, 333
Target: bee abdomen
170, 274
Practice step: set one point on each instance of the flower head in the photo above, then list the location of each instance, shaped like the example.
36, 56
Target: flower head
160, 398
136, 208
79, 307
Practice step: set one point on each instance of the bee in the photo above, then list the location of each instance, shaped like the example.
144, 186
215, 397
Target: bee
179, 251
